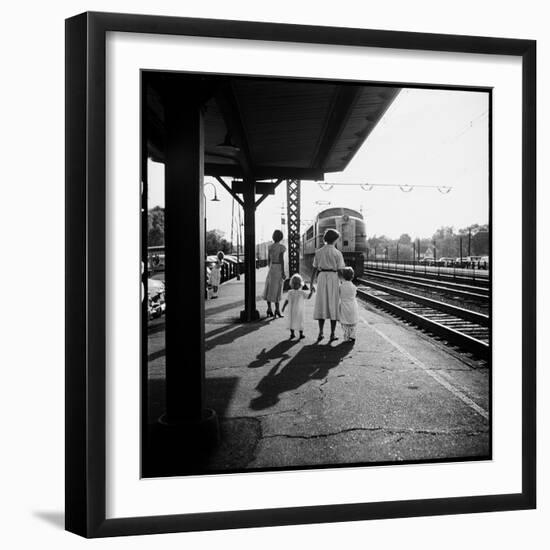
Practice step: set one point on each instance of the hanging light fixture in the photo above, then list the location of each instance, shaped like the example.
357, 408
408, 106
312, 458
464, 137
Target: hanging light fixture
215, 199
227, 143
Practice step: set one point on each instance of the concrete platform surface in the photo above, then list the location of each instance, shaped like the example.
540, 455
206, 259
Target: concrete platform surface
395, 395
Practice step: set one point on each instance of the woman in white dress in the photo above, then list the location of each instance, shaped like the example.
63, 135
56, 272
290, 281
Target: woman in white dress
328, 263
276, 274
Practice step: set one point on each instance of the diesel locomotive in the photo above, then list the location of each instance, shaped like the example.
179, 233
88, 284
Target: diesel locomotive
352, 242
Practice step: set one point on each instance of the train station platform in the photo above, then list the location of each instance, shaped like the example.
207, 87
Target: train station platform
394, 395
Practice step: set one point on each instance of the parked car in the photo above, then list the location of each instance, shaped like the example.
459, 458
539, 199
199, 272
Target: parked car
156, 261
446, 262
473, 259
156, 303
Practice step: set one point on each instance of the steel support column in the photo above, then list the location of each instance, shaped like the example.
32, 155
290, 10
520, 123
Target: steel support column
185, 255
293, 223
250, 313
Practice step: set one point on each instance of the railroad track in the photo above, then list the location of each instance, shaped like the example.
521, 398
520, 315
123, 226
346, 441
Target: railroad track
452, 290
462, 327
480, 281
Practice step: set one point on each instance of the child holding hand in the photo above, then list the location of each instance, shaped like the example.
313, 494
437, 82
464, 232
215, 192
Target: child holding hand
296, 301
348, 305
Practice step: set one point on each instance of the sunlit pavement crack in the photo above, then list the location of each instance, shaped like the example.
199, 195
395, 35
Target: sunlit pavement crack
379, 429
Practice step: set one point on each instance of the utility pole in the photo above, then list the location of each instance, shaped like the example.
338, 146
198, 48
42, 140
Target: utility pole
239, 238
232, 221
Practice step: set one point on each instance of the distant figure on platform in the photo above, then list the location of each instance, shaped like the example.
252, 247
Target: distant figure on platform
328, 262
276, 274
348, 305
295, 300
216, 274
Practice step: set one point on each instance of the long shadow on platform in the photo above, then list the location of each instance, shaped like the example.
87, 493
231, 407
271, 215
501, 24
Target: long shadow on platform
159, 326
230, 338
156, 354
211, 309
223, 328
312, 362
276, 352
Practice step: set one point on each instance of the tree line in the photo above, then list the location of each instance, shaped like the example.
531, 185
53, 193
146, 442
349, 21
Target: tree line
446, 242
215, 240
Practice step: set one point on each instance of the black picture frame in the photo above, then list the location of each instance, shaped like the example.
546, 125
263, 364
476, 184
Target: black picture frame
86, 279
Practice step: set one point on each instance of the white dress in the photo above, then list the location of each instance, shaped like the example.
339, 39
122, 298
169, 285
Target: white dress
216, 274
348, 303
296, 304
328, 260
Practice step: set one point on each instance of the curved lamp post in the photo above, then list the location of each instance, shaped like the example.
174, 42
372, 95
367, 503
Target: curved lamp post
214, 199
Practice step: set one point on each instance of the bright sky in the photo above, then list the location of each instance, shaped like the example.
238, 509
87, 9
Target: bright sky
427, 137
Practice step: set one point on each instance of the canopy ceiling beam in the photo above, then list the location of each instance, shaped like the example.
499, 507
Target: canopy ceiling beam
337, 120
265, 172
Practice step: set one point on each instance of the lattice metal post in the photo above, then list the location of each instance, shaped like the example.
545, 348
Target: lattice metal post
293, 222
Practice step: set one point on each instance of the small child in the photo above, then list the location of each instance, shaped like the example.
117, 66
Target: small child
216, 274
295, 299
348, 305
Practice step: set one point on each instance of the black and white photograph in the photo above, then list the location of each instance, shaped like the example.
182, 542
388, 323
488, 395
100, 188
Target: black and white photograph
274, 275
337, 274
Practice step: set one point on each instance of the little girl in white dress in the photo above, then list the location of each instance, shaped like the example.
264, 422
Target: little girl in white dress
216, 274
295, 299
348, 305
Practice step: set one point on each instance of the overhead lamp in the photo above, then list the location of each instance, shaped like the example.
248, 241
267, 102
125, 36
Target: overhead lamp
227, 143
444, 189
406, 188
366, 186
215, 199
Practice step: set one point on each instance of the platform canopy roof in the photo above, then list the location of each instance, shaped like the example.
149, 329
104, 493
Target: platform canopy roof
275, 128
